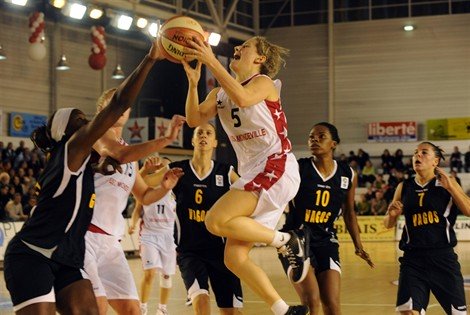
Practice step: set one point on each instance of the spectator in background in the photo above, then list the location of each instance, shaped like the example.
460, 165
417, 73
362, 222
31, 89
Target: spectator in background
368, 173
453, 174
343, 158
378, 204
370, 193
8, 153
379, 182
363, 205
32, 201
362, 158
456, 160
467, 161
14, 209
4, 198
409, 171
353, 158
398, 160
387, 161
16, 182
4, 179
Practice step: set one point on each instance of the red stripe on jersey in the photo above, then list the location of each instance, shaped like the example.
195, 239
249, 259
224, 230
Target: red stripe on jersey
280, 122
96, 229
273, 170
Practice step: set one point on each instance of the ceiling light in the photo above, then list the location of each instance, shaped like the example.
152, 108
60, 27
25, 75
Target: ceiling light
2, 53
19, 2
142, 22
118, 73
59, 4
77, 11
409, 28
214, 39
154, 28
96, 13
124, 22
62, 65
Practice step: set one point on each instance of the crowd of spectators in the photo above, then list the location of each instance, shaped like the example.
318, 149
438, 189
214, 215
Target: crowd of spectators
19, 169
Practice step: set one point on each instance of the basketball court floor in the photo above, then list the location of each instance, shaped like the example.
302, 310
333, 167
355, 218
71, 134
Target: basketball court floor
365, 291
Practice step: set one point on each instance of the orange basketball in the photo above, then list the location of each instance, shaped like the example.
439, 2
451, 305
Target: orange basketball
174, 36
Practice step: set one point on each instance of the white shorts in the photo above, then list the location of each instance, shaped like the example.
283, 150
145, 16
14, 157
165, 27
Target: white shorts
158, 251
107, 268
276, 190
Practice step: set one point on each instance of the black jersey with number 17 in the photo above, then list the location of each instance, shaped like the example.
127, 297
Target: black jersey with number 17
319, 201
194, 197
430, 216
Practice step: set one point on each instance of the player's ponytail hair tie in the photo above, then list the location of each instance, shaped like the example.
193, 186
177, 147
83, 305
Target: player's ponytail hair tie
60, 122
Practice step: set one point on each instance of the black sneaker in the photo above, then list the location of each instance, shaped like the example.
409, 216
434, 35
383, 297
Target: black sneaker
298, 310
294, 256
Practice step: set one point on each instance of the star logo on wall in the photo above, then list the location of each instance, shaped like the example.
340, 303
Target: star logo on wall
162, 129
135, 130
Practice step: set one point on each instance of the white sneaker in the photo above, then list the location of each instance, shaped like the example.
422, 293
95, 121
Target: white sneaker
162, 312
143, 309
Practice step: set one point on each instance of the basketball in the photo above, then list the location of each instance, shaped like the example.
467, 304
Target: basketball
174, 36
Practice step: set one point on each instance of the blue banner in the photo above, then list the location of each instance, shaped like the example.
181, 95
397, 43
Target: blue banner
22, 124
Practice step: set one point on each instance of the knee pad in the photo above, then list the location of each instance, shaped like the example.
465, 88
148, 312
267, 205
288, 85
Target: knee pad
165, 281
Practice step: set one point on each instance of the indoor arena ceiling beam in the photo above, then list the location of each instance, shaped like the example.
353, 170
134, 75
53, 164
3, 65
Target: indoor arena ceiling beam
230, 12
276, 16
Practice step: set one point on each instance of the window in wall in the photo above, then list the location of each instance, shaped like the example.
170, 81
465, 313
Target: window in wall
460, 7
351, 15
303, 6
346, 4
389, 12
430, 9
311, 18
388, 2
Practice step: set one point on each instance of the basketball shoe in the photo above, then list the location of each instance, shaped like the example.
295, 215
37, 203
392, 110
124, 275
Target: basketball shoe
298, 310
143, 308
294, 256
162, 312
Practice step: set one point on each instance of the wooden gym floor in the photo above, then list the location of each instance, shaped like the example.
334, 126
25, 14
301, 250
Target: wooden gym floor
364, 290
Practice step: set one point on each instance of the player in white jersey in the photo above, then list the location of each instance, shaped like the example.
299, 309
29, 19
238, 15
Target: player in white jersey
157, 245
251, 114
105, 262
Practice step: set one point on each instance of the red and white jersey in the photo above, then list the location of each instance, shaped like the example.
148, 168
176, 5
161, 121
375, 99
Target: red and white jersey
112, 193
256, 132
159, 216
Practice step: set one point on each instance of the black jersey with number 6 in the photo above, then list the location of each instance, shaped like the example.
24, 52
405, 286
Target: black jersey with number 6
194, 197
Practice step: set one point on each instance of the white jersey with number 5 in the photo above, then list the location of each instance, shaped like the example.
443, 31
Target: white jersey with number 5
256, 132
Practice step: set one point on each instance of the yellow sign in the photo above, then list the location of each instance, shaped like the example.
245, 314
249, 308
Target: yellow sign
371, 227
448, 128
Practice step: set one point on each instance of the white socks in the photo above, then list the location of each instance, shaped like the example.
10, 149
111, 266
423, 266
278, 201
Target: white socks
143, 308
279, 307
280, 238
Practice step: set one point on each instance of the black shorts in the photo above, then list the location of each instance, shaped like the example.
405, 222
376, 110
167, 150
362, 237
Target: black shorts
198, 267
30, 275
325, 257
436, 271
